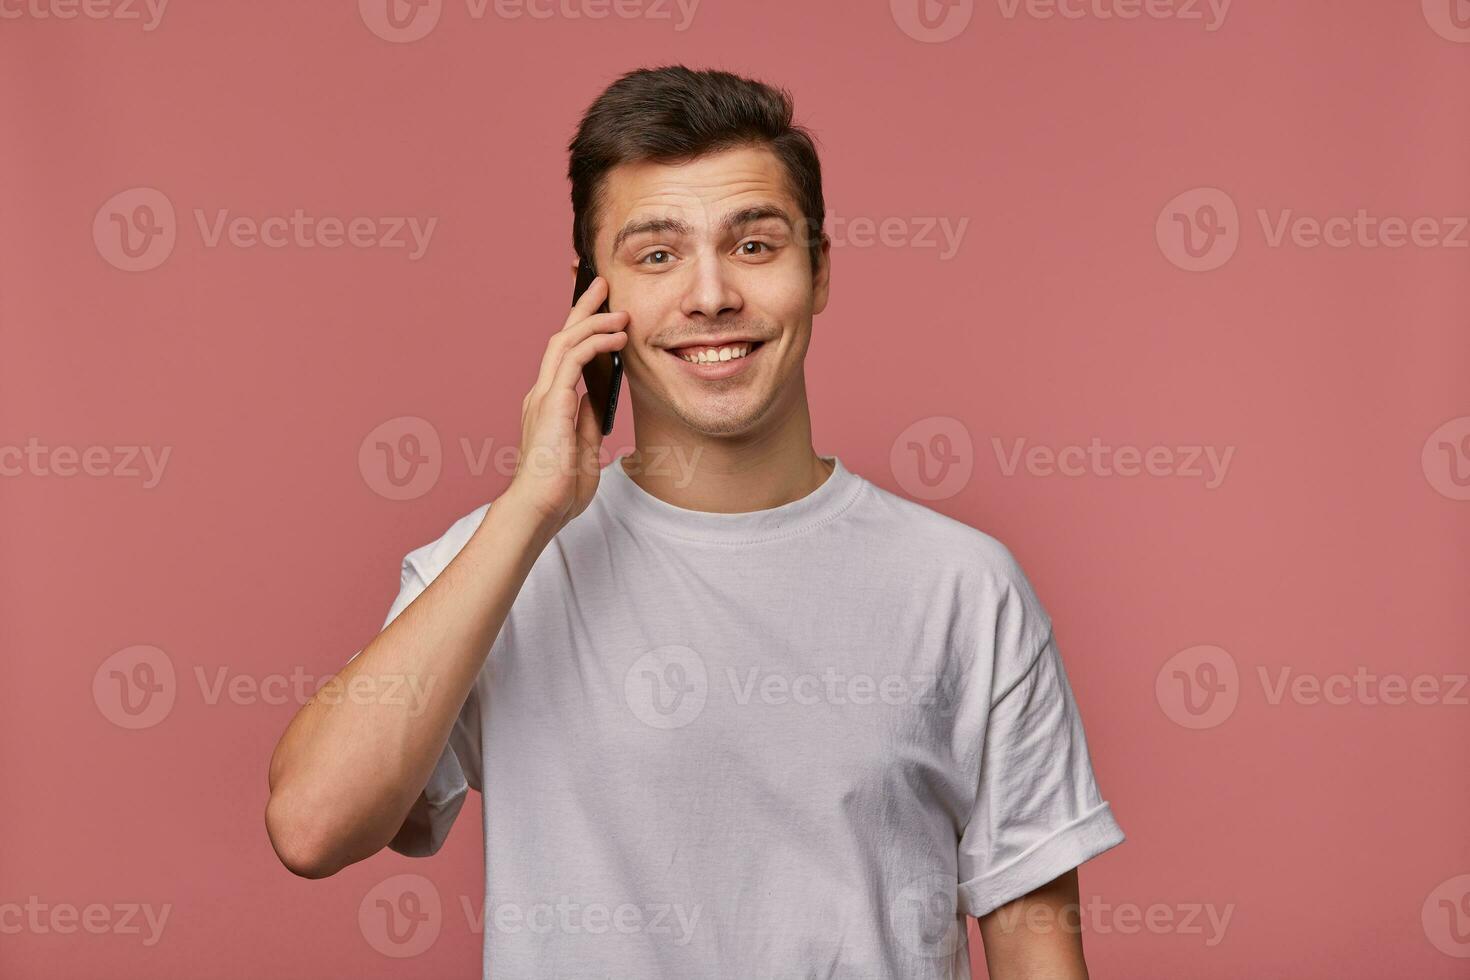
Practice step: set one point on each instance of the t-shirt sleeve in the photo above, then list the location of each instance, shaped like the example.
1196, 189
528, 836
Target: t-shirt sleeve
459, 766
1038, 812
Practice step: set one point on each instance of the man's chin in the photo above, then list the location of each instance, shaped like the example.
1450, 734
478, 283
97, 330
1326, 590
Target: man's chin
719, 421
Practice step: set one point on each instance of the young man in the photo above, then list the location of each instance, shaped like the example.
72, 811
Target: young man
733, 710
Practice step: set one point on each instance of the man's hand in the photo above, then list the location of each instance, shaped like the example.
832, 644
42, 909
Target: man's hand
558, 468
1038, 936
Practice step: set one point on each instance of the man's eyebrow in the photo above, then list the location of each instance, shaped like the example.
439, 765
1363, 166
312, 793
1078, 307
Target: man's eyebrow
672, 226
750, 215
676, 226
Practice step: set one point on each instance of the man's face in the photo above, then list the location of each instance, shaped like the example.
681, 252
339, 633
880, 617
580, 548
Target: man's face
711, 253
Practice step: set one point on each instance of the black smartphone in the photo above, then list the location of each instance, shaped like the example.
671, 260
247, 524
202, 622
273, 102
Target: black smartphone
603, 375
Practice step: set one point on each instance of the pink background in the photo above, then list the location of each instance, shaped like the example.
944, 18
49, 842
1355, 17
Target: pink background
1333, 835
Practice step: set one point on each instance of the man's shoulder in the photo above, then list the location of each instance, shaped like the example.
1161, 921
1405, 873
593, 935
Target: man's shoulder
946, 555
947, 541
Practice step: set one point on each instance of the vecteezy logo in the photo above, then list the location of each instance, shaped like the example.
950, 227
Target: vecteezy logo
401, 459
1198, 687
1199, 230
925, 917
1446, 917
667, 687
135, 229
1450, 19
135, 687
401, 916
400, 21
1446, 458
932, 21
933, 458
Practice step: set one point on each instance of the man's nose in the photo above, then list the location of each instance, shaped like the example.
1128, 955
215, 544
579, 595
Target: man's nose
711, 290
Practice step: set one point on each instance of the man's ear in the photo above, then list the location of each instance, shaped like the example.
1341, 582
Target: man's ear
822, 277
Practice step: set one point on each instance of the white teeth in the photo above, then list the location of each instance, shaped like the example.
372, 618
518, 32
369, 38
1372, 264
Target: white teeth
710, 354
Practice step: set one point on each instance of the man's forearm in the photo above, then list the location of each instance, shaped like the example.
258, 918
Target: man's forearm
1038, 936
354, 759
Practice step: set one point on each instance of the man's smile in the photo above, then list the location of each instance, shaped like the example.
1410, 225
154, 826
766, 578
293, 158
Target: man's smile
710, 363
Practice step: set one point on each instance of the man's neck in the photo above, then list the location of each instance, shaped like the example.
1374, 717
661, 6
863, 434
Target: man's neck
728, 476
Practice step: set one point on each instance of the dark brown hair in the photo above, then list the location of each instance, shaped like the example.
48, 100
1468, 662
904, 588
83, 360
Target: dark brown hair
672, 114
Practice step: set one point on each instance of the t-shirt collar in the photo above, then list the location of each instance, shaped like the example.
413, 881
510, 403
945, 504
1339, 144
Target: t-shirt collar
828, 501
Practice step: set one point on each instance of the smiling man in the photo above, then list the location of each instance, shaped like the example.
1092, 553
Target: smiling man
750, 717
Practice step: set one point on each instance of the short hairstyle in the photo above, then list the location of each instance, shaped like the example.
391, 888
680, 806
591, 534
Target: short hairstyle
673, 114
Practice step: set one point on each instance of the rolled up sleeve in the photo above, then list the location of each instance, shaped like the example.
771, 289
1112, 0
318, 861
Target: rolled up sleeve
1038, 812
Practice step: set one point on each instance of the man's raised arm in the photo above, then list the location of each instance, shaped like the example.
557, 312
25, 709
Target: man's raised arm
351, 764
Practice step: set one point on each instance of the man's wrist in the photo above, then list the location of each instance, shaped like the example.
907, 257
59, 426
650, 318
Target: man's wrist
513, 513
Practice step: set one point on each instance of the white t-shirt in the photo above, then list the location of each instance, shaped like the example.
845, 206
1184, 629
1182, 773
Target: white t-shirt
798, 742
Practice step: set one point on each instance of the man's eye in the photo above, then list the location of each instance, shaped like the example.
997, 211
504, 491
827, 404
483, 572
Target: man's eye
652, 254
747, 245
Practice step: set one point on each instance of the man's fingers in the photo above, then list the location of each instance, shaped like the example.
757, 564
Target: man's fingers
589, 430
564, 340
588, 302
578, 356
